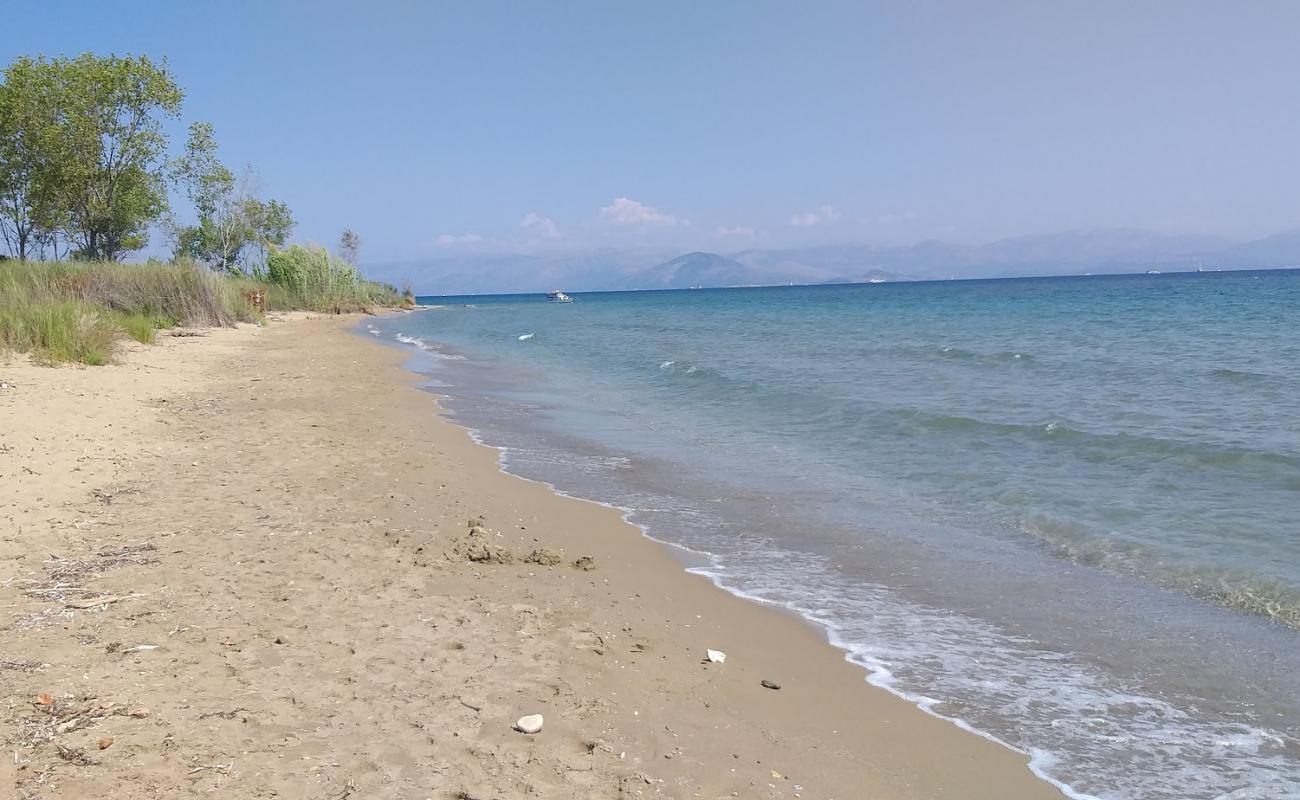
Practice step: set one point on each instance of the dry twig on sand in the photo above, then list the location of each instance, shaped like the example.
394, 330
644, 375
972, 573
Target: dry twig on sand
21, 664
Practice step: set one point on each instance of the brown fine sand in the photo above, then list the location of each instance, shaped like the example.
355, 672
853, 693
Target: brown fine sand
241, 565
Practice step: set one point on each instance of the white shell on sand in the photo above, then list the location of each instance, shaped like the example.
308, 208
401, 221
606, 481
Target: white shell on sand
529, 724
716, 656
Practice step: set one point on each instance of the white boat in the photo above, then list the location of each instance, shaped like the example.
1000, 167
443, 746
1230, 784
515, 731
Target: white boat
558, 297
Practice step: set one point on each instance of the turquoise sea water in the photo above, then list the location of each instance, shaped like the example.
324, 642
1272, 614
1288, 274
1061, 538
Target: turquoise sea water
1062, 512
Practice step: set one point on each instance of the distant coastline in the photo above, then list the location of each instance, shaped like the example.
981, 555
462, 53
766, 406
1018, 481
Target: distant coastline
425, 298
479, 271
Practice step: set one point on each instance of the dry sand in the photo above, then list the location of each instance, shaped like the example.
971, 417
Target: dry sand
240, 564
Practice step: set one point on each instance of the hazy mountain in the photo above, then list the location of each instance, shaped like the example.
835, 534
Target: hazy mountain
695, 269
1072, 252
482, 273
1280, 250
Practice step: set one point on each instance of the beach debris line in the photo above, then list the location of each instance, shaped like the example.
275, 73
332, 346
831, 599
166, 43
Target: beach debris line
715, 656
529, 724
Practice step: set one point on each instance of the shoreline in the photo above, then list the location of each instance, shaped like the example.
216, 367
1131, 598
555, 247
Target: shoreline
683, 555
293, 541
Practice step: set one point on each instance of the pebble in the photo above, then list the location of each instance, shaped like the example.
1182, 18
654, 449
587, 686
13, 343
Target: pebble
716, 656
529, 724
770, 684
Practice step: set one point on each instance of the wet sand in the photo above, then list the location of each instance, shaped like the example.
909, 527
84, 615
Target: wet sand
258, 563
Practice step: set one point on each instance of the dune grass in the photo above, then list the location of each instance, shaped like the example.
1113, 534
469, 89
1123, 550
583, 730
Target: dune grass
54, 331
81, 312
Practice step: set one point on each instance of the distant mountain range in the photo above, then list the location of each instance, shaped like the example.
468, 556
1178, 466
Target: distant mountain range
1071, 253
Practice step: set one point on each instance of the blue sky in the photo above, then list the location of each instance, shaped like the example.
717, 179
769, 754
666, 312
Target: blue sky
438, 127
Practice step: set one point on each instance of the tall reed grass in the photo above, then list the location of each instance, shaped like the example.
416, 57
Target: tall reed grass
311, 278
62, 311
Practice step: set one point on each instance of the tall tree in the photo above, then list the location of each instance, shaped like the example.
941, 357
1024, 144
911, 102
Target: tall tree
350, 246
205, 179
111, 145
235, 230
27, 116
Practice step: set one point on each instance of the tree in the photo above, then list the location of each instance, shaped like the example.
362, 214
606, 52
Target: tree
234, 228
271, 223
109, 146
27, 116
205, 178
350, 246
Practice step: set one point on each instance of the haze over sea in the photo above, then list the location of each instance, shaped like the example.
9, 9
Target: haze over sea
1061, 511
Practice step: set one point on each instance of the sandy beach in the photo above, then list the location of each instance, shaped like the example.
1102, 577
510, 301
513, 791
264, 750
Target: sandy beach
256, 562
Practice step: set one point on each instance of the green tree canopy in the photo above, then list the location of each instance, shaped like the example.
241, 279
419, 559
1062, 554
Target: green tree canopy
83, 164
113, 149
84, 150
28, 113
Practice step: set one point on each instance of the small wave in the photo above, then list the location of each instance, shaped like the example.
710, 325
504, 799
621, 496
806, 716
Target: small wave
426, 347
705, 383
1101, 446
526, 337
1233, 588
1241, 377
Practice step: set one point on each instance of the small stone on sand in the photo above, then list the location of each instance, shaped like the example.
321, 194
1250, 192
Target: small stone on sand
716, 656
770, 684
529, 724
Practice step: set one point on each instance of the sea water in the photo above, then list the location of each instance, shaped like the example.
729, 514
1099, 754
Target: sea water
1063, 513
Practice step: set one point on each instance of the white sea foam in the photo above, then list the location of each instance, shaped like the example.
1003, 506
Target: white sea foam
427, 347
526, 337
1058, 704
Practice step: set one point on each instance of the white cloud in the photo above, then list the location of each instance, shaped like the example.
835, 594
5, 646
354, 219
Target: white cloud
822, 216
539, 225
448, 239
625, 211
740, 231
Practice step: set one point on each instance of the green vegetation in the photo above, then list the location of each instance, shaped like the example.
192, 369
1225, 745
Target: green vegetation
82, 153
57, 331
311, 278
235, 231
85, 178
61, 311
65, 311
